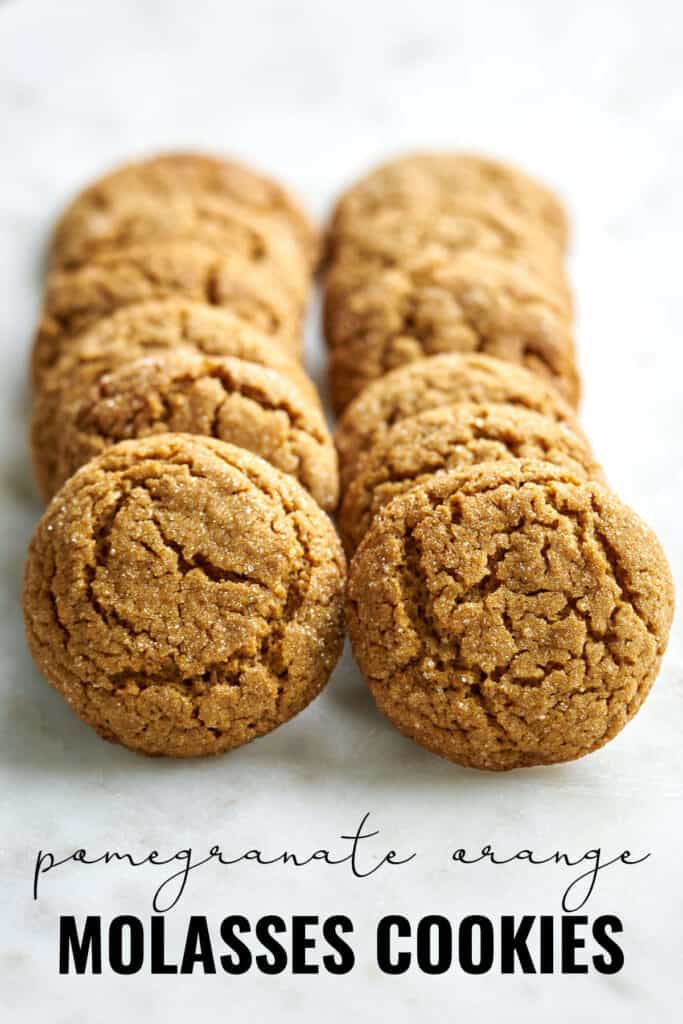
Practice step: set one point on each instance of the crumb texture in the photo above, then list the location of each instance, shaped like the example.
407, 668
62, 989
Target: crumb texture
77, 299
509, 614
435, 381
471, 304
453, 437
185, 195
146, 330
183, 595
434, 186
446, 252
183, 392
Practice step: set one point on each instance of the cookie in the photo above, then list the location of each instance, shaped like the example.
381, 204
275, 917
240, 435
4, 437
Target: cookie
509, 614
392, 238
163, 324
184, 392
184, 596
434, 185
453, 437
471, 304
149, 329
429, 383
181, 195
74, 300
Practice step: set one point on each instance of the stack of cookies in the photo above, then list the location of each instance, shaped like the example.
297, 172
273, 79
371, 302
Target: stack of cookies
184, 587
505, 607
174, 301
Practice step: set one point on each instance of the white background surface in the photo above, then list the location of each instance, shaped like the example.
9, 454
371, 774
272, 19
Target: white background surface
586, 95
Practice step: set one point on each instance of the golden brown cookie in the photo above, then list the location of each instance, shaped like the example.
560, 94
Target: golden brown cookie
183, 596
147, 329
159, 325
429, 383
509, 614
184, 392
474, 303
181, 195
453, 437
433, 185
422, 238
75, 299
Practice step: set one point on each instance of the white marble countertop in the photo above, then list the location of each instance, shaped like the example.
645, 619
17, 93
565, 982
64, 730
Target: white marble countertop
586, 95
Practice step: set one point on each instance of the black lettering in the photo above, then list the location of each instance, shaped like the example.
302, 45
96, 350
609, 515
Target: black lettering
88, 947
198, 947
345, 960
465, 944
242, 963
277, 962
570, 943
136, 944
547, 944
386, 963
158, 942
513, 944
425, 931
614, 960
300, 943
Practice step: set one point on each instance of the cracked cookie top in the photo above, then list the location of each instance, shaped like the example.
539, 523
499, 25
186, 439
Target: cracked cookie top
183, 595
473, 303
181, 195
432, 184
423, 237
509, 614
185, 392
75, 299
453, 437
147, 329
439, 380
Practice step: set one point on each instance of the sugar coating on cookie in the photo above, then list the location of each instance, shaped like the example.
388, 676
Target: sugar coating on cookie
474, 303
75, 299
429, 383
509, 614
159, 325
453, 437
435, 184
184, 596
147, 329
421, 237
184, 392
177, 195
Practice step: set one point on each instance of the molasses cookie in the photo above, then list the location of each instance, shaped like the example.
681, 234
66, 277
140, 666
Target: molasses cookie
160, 325
184, 392
181, 195
474, 303
509, 614
390, 238
433, 185
439, 380
148, 329
453, 437
75, 299
184, 596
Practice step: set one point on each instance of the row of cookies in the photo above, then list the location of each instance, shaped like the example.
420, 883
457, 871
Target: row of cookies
184, 588
174, 300
505, 607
